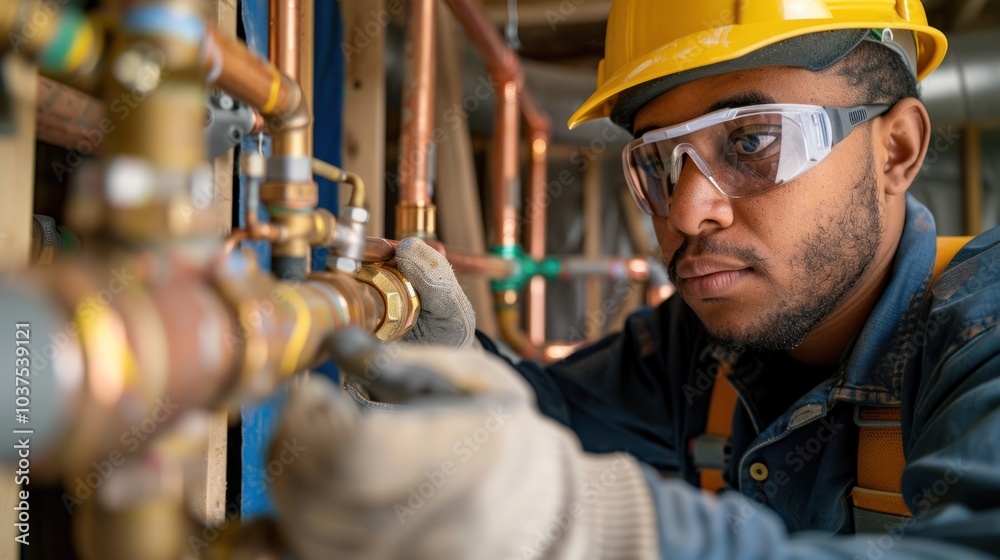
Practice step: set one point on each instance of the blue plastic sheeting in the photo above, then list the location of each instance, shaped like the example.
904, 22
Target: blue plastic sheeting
328, 87
260, 421
328, 63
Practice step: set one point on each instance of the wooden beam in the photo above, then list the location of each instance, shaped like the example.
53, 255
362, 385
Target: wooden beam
17, 159
972, 173
206, 491
460, 222
364, 104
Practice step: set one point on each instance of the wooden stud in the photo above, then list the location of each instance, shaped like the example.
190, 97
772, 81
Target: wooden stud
973, 178
17, 159
206, 492
364, 103
460, 222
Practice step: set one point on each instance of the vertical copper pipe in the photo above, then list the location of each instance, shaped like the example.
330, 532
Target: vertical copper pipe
506, 180
283, 36
539, 131
505, 69
418, 110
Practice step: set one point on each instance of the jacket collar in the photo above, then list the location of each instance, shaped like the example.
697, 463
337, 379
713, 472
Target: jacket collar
872, 374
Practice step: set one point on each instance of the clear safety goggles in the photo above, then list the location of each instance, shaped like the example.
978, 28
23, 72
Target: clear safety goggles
743, 151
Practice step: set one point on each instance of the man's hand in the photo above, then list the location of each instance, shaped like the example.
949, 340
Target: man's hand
459, 465
446, 316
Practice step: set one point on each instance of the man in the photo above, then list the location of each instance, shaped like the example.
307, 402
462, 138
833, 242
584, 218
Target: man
776, 141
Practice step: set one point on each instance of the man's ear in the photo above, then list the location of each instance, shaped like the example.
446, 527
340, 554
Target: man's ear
903, 135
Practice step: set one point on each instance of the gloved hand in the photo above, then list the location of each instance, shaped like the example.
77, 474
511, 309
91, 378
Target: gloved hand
459, 466
446, 316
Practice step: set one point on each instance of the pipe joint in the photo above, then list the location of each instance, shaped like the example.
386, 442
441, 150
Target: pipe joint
349, 247
524, 268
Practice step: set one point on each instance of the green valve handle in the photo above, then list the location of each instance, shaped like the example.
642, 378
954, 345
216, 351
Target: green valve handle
525, 268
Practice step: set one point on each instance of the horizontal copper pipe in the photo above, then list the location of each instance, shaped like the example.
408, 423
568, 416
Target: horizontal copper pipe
483, 265
384, 250
634, 269
180, 336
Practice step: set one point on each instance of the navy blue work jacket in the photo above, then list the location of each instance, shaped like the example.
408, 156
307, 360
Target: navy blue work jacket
646, 390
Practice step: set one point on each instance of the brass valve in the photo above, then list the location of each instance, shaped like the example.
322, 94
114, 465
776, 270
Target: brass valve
402, 306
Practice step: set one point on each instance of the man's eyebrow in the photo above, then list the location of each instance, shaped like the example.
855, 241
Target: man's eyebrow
743, 99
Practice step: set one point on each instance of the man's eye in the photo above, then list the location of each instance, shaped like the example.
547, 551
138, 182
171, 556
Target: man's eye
754, 142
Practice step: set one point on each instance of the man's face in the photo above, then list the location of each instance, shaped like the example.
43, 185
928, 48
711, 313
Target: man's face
766, 270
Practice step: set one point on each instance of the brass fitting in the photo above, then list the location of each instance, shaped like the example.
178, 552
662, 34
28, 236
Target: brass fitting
302, 195
416, 219
402, 306
324, 228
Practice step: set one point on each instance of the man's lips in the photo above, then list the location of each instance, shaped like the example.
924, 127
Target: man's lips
708, 278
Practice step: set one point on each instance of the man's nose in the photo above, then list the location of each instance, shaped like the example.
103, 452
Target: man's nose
697, 206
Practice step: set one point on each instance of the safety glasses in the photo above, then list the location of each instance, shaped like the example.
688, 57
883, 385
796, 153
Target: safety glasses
744, 151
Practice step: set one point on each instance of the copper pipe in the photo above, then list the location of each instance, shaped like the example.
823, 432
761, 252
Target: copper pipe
502, 63
416, 213
284, 36
177, 335
483, 265
378, 249
418, 103
236, 237
506, 163
384, 250
634, 269
232, 66
538, 128
508, 77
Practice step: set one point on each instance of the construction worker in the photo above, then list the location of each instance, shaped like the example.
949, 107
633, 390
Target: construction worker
813, 391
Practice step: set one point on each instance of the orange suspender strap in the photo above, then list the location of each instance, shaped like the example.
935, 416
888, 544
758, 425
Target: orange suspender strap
878, 498
711, 449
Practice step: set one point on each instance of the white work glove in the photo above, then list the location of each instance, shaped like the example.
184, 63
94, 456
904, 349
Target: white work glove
446, 316
461, 467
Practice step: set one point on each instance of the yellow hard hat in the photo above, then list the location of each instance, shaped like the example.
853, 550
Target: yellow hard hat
663, 43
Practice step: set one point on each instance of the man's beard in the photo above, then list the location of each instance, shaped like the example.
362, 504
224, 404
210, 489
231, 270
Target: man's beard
832, 261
